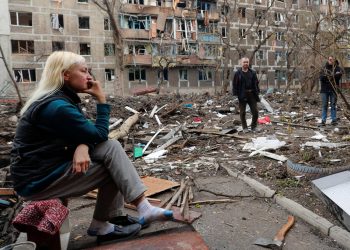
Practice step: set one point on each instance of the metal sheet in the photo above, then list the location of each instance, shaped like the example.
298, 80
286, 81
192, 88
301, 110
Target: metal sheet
177, 238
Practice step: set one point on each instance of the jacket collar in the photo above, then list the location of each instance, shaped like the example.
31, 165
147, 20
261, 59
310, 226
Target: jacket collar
70, 93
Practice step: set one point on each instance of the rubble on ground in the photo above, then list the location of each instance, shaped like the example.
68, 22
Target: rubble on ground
175, 136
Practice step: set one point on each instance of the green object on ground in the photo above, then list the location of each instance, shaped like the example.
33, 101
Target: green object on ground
137, 152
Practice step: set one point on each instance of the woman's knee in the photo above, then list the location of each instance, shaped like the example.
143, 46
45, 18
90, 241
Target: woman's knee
107, 146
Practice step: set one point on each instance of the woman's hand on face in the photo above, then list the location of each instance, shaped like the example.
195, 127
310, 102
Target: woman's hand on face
81, 159
95, 89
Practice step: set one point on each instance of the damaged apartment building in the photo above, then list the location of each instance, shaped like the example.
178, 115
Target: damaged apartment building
177, 44
173, 43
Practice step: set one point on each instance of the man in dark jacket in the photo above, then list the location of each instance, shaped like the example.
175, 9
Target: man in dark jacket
330, 77
245, 85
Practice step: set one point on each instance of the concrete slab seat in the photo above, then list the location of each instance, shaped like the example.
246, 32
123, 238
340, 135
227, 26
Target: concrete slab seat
45, 222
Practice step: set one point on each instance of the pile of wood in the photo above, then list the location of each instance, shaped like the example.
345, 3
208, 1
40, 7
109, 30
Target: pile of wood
182, 197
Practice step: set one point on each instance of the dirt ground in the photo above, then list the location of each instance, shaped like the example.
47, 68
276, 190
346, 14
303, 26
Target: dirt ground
211, 138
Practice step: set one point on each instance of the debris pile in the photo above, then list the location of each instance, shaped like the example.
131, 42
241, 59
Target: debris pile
172, 137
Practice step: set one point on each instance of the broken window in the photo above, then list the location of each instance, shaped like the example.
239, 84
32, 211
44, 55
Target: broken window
209, 50
84, 22
137, 74
260, 14
225, 10
135, 22
187, 49
223, 32
24, 75
294, 1
163, 74
205, 75
136, 1
242, 34
57, 46
241, 12
109, 74
57, 21
183, 74
107, 24
279, 36
260, 55
22, 47
280, 75
186, 29
21, 18
84, 49
137, 50
280, 55
279, 17
295, 18
261, 34
207, 27
204, 6
109, 49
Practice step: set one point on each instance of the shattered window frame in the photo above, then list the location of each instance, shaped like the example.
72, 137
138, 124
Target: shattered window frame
21, 18
280, 75
260, 55
242, 12
109, 75
211, 28
84, 22
85, 49
57, 21
242, 33
107, 24
261, 34
24, 75
183, 74
135, 22
205, 75
137, 74
223, 32
109, 49
57, 46
279, 36
22, 46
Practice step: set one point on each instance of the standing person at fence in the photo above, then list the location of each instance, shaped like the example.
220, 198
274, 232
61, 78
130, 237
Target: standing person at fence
58, 153
245, 85
330, 76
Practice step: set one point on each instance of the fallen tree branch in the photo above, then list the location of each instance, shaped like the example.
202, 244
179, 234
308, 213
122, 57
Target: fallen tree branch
124, 128
213, 201
295, 125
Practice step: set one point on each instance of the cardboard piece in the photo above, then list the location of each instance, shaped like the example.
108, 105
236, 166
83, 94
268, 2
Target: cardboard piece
156, 185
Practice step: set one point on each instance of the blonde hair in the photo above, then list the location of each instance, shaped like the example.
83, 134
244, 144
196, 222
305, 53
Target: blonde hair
52, 77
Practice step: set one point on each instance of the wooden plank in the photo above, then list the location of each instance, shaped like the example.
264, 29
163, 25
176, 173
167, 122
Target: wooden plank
156, 185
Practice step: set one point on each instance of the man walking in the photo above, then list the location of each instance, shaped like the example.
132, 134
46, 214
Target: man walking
245, 85
330, 77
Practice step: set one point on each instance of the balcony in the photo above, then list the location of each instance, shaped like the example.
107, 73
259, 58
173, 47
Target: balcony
138, 60
135, 34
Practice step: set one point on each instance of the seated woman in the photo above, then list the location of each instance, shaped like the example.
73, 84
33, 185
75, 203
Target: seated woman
58, 153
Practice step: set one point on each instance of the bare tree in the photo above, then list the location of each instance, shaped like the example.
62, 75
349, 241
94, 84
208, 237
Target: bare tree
20, 100
112, 9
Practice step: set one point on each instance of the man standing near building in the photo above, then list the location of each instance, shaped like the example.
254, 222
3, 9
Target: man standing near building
330, 77
245, 85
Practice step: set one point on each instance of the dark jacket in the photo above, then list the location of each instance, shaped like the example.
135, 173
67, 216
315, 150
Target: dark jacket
330, 76
47, 136
239, 90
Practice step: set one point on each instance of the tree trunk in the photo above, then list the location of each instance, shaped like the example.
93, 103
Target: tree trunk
20, 100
